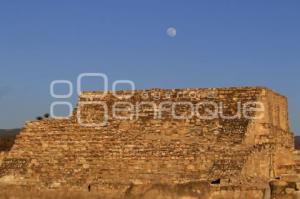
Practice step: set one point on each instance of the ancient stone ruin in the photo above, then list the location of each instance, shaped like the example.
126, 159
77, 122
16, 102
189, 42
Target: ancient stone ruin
117, 142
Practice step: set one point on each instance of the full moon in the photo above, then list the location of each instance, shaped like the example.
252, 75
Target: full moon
171, 32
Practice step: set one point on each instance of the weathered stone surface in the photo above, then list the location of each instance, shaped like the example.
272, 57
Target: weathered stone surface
192, 190
146, 150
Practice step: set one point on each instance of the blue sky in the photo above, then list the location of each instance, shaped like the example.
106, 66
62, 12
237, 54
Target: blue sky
218, 43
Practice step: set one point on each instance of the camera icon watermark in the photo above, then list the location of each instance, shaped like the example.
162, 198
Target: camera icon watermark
79, 88
86, 75
93, 123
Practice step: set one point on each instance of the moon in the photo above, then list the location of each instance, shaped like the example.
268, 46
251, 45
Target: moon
171, 32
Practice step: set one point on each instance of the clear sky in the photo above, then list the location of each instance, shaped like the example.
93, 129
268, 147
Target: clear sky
218, 43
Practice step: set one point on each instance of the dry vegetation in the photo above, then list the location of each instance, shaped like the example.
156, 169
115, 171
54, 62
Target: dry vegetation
12, 192
7, 139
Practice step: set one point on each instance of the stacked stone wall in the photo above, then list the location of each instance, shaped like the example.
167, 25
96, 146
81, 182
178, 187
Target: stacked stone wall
144, 149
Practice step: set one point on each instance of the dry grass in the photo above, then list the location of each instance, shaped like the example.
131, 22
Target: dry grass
10, 192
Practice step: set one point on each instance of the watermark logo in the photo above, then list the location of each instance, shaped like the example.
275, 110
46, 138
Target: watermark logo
178, 105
